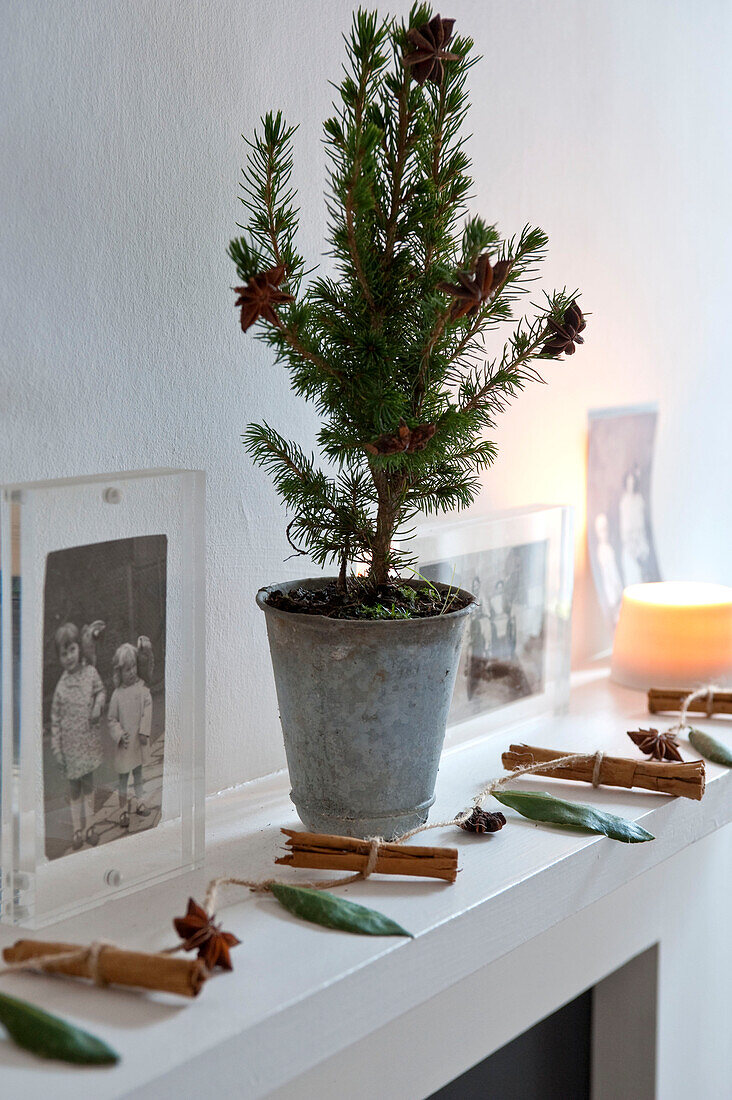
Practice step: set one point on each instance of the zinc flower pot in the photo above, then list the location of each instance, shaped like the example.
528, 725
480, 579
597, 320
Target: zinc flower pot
363, 706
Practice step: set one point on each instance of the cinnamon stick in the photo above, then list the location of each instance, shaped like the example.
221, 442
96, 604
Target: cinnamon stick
345, 853
163, 973
662, 700
685, 780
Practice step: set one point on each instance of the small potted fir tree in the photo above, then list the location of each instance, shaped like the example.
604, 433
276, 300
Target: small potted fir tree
389, 347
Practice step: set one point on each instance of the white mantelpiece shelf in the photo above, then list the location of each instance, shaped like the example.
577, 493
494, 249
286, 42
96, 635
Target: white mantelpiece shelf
301, 998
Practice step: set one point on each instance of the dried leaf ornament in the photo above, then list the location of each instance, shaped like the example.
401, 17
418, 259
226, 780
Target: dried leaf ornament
472, 290
658, 746
260, 295
564, 336
538, 806
198, 932
714, 750
430, 42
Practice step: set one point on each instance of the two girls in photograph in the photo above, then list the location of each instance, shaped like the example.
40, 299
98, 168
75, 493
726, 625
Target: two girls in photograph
77, 735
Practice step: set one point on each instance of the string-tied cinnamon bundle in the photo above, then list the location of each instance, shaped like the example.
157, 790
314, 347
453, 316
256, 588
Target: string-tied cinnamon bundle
106, 964
685, 780
708, 700
375, 856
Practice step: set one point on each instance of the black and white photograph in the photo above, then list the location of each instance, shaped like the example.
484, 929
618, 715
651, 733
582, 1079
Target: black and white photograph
503, 658
619, 526
103, 692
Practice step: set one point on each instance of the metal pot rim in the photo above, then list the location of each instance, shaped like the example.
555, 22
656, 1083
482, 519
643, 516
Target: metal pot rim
321, 582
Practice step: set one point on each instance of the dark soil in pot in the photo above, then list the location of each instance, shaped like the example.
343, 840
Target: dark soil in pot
362, 600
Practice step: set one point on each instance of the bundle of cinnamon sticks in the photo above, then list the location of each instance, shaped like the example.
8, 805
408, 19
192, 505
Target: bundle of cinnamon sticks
685, 780
667, 700
114, 966
345, 853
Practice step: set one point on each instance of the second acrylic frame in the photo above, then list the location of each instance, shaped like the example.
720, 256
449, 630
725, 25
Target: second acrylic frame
516, 655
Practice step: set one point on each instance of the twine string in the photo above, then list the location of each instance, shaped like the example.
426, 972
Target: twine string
375, 845
264, 886
94, 954
89, 956
597, 768
705, 692
501, 781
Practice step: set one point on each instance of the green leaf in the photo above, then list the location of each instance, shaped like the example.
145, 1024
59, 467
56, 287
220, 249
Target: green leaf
544, 807
323, 908
710, 748
51, 1037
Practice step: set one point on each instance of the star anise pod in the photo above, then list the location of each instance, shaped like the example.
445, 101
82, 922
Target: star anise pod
420, 436
564, 336
658, 746
430, 42
260, 295
198, 932
472, 290
403, 439
483, 821
390, 443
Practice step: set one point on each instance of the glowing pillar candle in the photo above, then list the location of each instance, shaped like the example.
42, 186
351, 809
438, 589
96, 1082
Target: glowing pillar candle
673, 634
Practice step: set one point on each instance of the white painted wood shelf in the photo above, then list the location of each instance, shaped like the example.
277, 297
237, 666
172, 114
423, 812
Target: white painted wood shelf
300, 996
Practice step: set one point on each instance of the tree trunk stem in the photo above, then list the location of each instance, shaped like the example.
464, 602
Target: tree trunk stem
386, 520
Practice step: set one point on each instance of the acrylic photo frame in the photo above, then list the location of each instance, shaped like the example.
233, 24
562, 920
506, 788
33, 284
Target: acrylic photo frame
102, 688
515, 662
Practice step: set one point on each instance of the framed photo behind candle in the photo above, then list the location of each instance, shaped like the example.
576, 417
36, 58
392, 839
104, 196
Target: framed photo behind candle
620, 537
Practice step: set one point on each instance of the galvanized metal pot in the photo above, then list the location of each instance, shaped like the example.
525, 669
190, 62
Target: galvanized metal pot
363, 706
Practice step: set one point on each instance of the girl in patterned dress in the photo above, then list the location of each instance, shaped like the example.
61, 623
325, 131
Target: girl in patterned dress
129, 720
76, 740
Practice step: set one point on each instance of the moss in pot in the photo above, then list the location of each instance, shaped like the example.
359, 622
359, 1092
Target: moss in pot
390, 347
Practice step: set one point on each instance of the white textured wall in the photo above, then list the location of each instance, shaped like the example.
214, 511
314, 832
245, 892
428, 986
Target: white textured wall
607, 123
